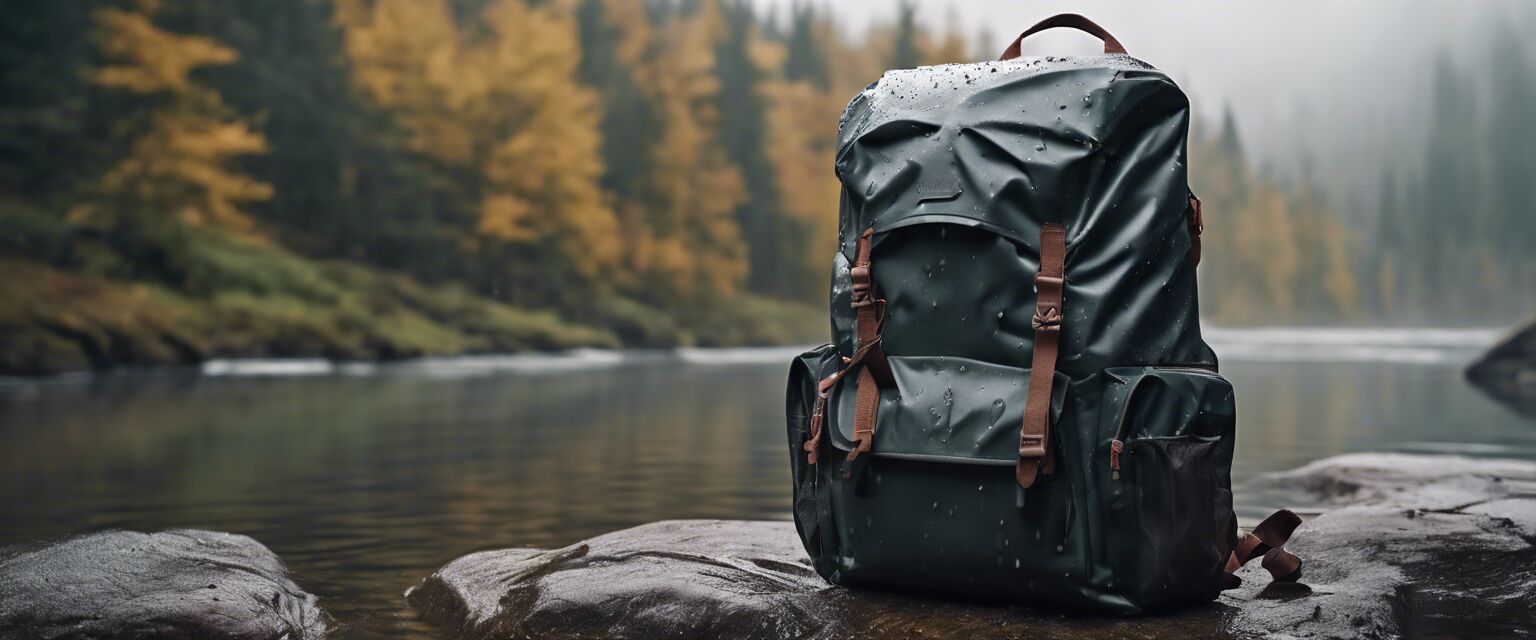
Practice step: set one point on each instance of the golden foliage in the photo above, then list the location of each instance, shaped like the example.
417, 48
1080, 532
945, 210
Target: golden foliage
503, 108
181, 165
689, 242
146, 59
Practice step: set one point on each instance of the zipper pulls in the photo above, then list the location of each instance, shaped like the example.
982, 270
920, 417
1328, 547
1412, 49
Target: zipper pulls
1115, 447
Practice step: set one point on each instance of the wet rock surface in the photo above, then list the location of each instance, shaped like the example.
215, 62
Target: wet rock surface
170, 584
1507, 372
1426, 545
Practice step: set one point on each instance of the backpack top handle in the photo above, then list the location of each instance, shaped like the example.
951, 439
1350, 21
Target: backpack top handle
1069, 20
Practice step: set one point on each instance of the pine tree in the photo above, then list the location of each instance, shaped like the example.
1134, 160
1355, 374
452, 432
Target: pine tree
908, 52
743, 132
615, 37
1511, 195
51, 139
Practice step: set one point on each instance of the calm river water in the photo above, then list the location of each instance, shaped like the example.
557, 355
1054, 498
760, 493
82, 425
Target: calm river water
366, 478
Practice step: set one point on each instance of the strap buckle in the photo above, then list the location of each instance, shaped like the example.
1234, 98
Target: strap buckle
863, 285
1047, 319
1031, 447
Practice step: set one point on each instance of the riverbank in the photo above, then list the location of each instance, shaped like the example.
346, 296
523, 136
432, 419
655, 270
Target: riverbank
56, 321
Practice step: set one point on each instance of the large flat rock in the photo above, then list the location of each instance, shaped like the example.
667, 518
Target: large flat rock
1426, 546
171, 584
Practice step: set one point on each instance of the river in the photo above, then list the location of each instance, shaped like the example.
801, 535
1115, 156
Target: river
365, 477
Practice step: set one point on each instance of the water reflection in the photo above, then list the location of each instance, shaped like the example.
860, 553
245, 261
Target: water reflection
366, 478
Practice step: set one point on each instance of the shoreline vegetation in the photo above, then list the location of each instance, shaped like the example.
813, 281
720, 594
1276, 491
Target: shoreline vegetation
55, 321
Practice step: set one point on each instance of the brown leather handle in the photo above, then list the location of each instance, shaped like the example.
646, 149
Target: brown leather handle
1069, 20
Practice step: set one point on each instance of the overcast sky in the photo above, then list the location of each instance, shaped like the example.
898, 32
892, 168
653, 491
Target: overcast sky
1351, 75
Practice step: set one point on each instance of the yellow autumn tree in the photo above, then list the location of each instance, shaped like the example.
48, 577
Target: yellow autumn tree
501, 110
181, 166
405, 57
684, 238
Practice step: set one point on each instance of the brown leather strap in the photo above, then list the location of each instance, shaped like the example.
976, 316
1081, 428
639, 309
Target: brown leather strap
875, 370
1034, 439
1196, 227
1071, 21
1267, 540
818, 416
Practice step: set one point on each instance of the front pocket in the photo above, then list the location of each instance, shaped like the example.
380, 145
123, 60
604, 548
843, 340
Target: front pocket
1169, 459
937, 507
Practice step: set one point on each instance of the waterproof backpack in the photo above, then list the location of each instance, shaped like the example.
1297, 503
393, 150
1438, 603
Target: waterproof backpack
1017, 403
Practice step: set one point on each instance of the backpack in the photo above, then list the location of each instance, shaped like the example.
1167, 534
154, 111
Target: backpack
1017, 404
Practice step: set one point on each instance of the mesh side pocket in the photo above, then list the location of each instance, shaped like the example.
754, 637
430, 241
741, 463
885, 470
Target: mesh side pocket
1172, 516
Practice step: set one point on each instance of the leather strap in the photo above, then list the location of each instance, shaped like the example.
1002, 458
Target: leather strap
1068, 20
1266, 540
874, 372
875, 369
1196, 227
1034, 439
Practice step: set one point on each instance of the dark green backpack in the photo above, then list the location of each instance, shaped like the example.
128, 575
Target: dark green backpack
1018, 404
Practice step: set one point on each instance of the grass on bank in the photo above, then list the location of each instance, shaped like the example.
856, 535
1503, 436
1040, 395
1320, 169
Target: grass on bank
242, 298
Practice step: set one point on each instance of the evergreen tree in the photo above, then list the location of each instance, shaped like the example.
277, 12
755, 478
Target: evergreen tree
1511, 144
743, 123
908, 53
806, 61
50, 137
615, 39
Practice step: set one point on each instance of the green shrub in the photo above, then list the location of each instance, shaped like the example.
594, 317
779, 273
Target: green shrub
28, 232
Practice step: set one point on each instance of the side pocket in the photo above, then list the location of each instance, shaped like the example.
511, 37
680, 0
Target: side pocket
810, 509
1170, 461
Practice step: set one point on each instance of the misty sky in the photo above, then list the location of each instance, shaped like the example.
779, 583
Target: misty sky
1342, 82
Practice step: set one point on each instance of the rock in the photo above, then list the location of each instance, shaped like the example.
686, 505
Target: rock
1429, 545
743, 580
1507, 372
171, 584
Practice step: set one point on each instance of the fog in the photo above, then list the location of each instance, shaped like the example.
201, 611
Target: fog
1333, 89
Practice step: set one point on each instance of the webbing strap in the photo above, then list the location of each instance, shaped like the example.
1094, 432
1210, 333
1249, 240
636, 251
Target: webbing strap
1267, 540
873, 373
1034, 438
875, 369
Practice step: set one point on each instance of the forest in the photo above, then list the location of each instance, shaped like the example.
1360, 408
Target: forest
361, 179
